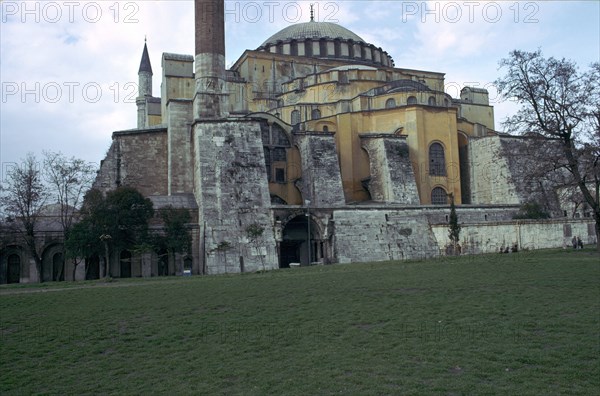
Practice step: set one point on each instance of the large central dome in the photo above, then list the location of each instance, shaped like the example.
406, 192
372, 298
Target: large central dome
313, 30
325, 40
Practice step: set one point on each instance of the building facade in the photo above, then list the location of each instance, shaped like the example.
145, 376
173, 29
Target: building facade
317, 139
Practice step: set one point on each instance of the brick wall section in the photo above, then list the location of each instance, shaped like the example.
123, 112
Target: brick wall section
232, 193
392, 176
321, 178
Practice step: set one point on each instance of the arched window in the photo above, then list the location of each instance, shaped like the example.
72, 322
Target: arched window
411, 100
315, 114
13, 269
431, 101
308, 47
439, 196
325, 128
446, 102
343, 77
294, 48
437, 161
390, 103
295, 117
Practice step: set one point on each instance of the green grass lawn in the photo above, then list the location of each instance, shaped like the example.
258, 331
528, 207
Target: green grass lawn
518, 324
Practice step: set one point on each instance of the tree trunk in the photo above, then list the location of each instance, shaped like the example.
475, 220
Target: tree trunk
75, 264
597, 233
30, 239
38, 266
106, 261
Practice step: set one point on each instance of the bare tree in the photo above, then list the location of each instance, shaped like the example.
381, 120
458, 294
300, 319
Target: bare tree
22, 199
69, 179
561, 103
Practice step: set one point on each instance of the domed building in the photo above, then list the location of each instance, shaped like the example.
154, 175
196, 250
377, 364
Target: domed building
317, 136
315, 148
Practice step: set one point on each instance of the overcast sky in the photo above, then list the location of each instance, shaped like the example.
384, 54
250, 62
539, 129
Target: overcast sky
69, 68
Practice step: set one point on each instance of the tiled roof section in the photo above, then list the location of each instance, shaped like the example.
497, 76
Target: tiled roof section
145, 65
314, 30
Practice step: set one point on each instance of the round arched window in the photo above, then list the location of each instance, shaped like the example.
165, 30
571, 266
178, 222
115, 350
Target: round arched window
437, 160
439, 196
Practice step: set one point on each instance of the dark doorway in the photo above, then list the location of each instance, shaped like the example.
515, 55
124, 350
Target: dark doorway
294, 248
290, 253
13, 274
125, 264
163, 263
92, 268
58, 267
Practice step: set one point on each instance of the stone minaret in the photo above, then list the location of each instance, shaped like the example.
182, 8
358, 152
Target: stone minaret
144, 88
209, 102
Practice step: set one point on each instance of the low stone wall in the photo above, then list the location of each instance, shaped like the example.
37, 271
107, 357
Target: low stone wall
491, 237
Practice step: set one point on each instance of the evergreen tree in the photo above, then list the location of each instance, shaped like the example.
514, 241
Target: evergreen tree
453, 226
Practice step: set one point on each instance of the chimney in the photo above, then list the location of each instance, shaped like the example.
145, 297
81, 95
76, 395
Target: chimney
209, 102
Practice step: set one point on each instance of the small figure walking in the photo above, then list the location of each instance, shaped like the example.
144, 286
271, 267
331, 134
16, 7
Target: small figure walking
579, 243
574, 242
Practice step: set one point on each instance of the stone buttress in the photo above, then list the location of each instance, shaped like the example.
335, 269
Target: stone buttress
230, 185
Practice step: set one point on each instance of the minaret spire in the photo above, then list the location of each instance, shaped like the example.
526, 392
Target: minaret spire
144, 87
145, 65
312, 12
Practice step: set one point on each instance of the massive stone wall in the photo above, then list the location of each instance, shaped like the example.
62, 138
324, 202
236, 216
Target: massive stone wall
232, 193
392, 176
530, 162
491, 180
136, 158
382, 235
321, 178
514, 170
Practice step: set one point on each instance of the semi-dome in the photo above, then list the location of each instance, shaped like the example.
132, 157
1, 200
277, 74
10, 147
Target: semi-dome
313, 30
325, 40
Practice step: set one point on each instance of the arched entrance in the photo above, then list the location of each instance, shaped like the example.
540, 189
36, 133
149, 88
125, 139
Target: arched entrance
58, 267
293, 247
53, 263
13, 270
